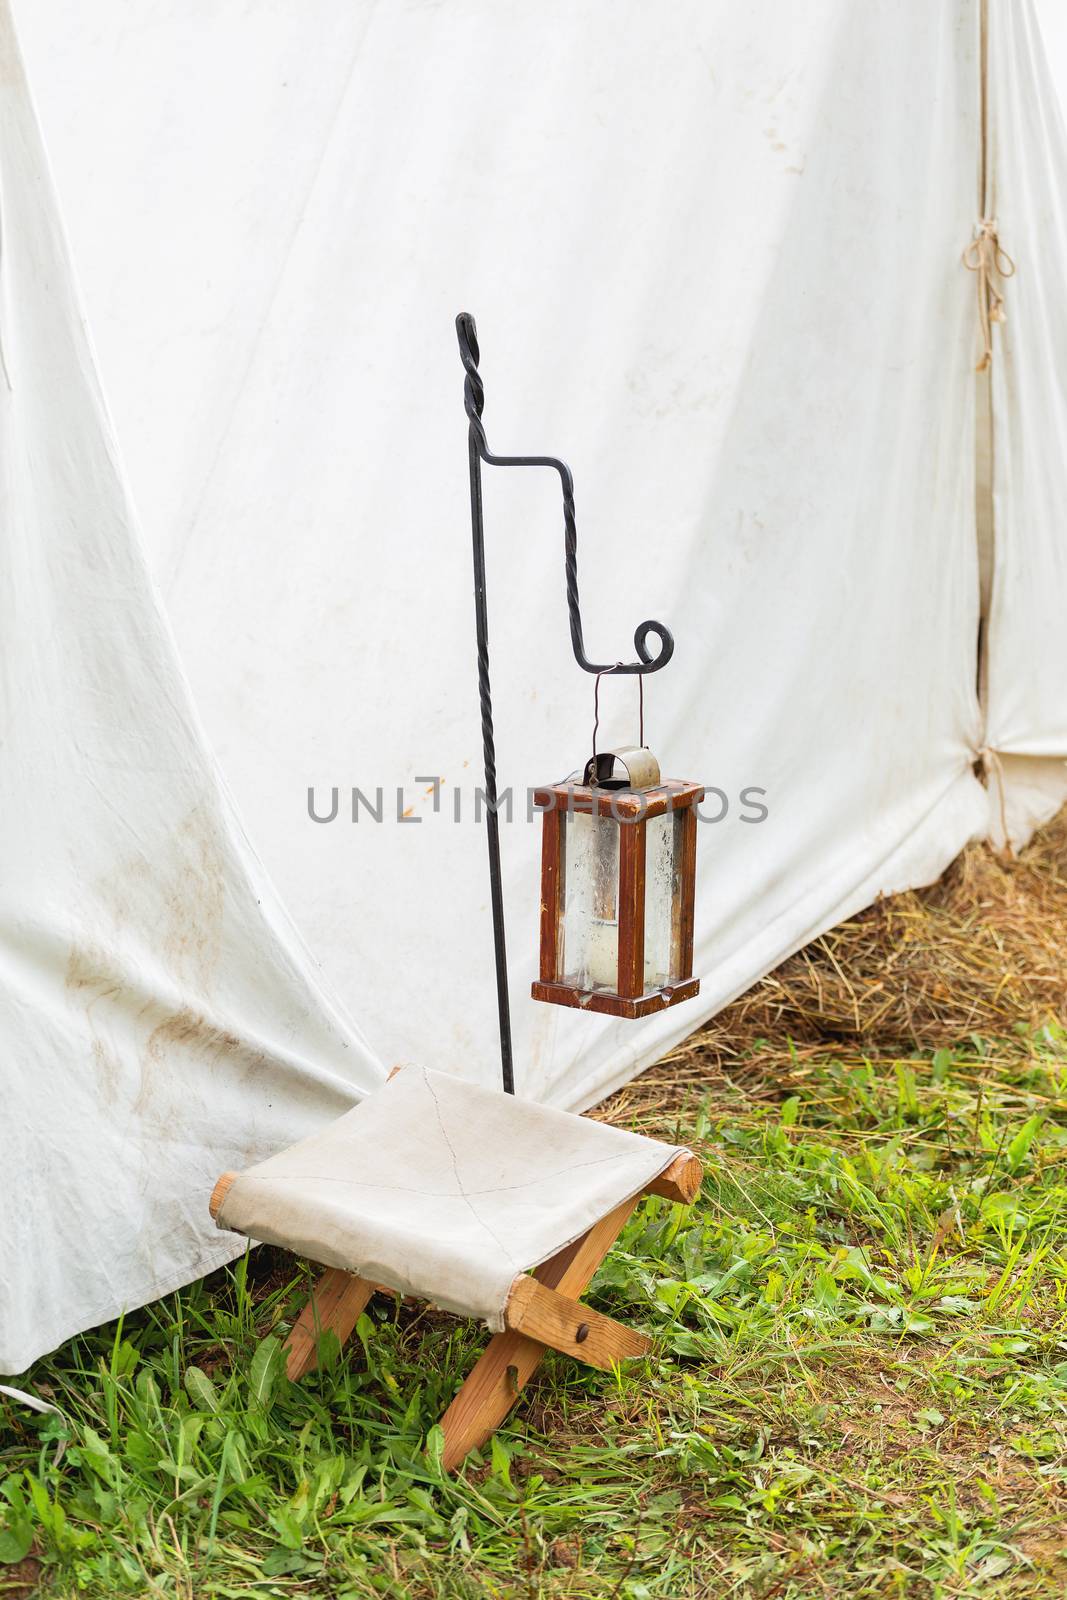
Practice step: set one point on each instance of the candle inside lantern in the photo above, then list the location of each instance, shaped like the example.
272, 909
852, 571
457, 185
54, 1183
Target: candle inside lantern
591, 900
662, 899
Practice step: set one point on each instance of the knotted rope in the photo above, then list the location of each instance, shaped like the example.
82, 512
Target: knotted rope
986, 257
993, 772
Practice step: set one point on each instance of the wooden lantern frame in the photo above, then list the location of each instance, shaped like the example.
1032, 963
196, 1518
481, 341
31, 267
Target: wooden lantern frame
632, 809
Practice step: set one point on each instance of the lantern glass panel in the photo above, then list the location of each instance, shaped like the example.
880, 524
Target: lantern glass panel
663, 855
590, 851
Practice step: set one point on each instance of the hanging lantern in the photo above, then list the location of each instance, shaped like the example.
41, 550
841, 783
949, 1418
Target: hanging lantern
618, 874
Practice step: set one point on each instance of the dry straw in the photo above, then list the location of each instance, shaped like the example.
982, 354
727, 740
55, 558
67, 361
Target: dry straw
981, 952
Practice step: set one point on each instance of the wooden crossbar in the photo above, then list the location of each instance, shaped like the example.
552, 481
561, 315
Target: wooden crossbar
680, 1181
568, 1325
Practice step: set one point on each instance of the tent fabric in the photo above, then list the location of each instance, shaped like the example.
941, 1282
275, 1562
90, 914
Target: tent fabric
715, 257
441, 1189
160, 1019
1027, 709
715, 263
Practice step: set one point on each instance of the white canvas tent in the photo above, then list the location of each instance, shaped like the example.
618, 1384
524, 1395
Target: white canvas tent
715, 256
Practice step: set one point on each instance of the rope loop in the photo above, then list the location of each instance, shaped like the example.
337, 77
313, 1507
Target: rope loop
993, 773
986, 256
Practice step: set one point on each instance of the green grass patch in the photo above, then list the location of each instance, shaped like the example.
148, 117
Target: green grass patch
860, 1388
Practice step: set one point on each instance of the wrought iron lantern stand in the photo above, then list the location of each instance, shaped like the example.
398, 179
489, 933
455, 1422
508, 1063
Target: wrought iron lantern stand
667, 797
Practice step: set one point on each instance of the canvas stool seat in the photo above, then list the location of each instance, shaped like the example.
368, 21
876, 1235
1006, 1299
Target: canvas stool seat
439, 1189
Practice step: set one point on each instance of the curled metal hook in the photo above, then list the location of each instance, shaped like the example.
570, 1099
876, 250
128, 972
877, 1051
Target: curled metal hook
474, 403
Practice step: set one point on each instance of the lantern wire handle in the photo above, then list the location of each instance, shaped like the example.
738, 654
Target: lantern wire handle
478, 451
596, 712
596, 721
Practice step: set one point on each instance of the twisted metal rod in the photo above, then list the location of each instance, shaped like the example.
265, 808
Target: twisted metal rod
478, 451
474, 404
492, 819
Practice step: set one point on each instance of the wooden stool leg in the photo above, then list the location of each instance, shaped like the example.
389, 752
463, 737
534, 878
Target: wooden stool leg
336, 1302
510, 1359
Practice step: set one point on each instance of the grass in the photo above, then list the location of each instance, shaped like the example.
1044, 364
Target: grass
861, 1390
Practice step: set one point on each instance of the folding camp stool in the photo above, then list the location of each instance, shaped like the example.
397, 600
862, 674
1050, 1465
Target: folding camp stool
480, 1203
